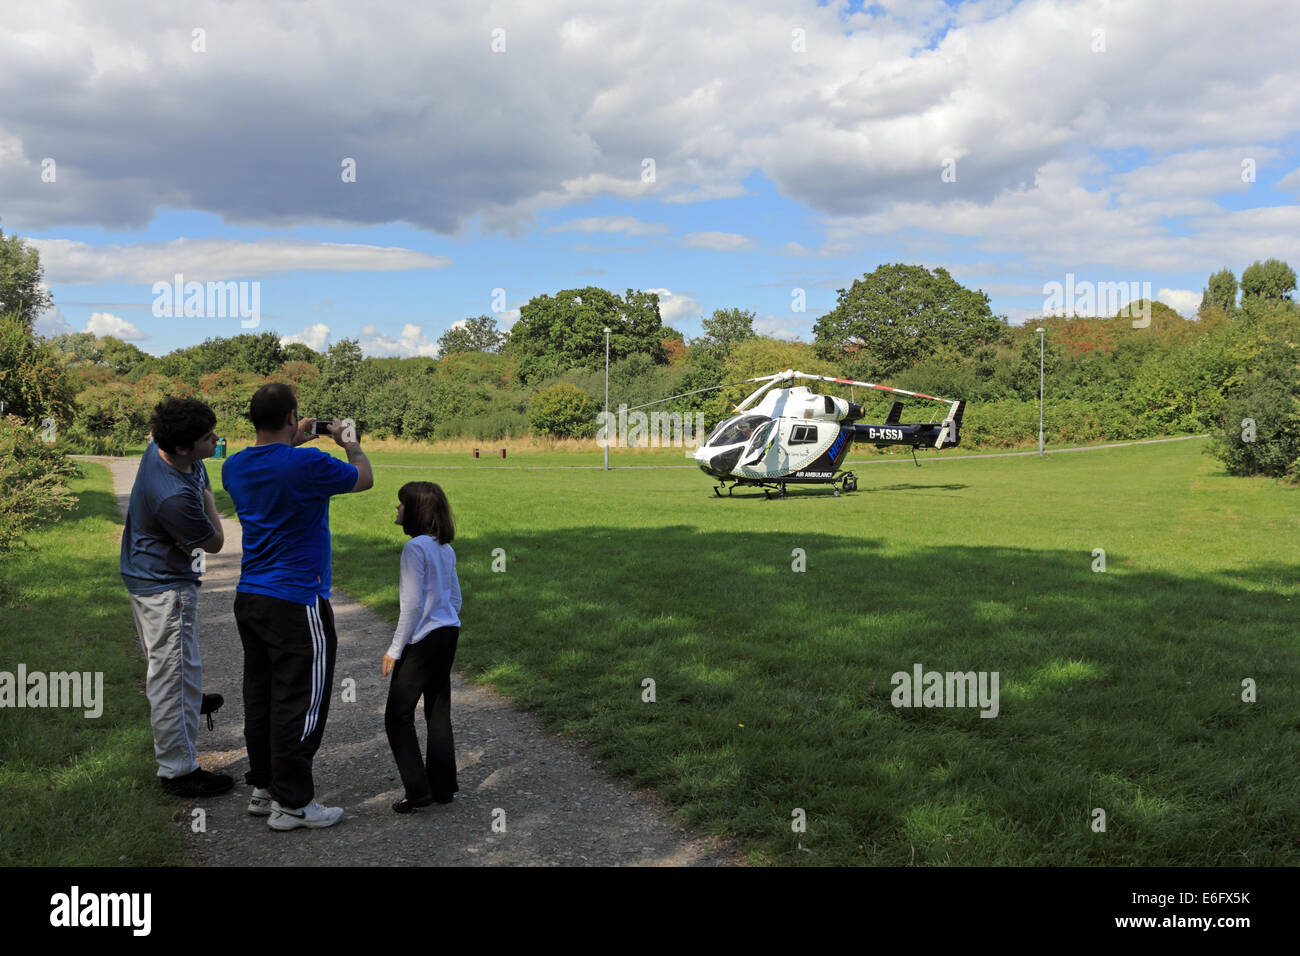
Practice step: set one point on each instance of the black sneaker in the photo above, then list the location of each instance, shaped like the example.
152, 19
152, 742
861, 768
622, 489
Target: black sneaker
410, 806
198, 783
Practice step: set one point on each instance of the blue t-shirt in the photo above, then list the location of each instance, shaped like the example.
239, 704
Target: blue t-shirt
282, 495
165, 521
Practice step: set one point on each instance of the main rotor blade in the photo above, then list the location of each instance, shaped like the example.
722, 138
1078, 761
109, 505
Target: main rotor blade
883, 388
711, 388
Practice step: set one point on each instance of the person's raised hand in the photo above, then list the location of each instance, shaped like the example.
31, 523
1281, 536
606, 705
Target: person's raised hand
343, 434
303, 435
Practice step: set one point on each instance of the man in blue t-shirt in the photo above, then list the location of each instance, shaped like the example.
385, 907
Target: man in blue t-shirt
282, 607
171, 521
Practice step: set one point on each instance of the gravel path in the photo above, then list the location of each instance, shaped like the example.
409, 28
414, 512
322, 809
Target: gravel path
560, 809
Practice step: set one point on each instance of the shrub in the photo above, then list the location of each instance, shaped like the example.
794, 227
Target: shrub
1258, 432
563, 411
33, 481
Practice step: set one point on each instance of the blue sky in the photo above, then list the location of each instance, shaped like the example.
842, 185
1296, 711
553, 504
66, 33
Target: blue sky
796, 146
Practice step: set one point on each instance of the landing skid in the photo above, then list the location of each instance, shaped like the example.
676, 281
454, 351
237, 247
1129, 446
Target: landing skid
843, 482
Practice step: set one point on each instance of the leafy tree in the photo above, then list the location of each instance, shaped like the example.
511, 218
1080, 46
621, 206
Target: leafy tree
562, 410
295, 373
343, 361
475, 335
21, 292
1271, 279
567, 330
899, 313
298, 352
229, 393
1025, 379
1221, 292
124, 358
260, 354
76, 347
33, 382
474, 368
726, 329
1258, 431
674, 345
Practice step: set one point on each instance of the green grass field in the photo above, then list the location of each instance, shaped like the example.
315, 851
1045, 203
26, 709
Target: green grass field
75, 790
1120, 690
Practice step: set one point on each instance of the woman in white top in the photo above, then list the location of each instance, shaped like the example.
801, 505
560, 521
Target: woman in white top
424, 647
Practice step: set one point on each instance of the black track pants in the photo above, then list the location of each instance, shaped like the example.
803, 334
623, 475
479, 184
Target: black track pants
288, 675
424, 668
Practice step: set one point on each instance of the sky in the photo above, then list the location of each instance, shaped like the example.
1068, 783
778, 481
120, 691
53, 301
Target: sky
383, 170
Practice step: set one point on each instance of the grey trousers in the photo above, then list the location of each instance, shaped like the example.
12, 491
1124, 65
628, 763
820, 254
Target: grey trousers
167, 625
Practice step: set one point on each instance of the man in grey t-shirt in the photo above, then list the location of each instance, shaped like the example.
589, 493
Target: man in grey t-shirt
172, 520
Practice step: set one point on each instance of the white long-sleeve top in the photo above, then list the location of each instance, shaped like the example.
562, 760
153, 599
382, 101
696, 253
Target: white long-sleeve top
430, 592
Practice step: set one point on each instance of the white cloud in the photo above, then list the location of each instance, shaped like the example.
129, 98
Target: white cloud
856, 129
717, 241
776, 327
628, 225
1061, 225
1291, 181
587, 92
51, 323
204, 260
795, 249
673, 307
1183, 301
316, 337
411, 342
106, 323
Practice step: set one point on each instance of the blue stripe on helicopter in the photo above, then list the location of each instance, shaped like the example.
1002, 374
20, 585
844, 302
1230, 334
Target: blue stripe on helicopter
839, 443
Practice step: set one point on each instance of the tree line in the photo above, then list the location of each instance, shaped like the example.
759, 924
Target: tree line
1232, 370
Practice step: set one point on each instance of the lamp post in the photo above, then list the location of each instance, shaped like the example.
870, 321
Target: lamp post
1041, 340
607, 398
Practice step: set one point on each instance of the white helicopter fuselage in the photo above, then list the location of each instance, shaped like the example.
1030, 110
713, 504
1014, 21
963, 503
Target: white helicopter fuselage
785, 434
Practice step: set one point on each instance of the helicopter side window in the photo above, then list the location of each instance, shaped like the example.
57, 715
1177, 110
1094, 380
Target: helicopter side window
761, 436
738, 431
803, 435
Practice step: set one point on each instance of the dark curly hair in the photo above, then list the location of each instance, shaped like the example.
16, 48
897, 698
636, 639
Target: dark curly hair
180, 422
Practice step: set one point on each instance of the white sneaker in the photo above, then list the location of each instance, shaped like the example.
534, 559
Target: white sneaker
260, 805
313, 815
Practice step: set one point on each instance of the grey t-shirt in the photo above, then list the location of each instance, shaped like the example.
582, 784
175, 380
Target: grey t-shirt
164, 523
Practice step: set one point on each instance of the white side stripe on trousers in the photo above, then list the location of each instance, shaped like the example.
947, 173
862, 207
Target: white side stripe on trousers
317, 667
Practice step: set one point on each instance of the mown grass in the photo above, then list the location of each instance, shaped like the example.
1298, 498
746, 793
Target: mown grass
77, 790
1120, 690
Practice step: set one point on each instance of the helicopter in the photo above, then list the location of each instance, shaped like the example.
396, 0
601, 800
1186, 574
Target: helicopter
789, 435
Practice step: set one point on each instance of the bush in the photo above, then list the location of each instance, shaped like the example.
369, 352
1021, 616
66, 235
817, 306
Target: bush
563, 411
33, 481
1259, 430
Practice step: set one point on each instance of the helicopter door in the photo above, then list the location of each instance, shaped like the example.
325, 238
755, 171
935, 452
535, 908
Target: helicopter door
757, 445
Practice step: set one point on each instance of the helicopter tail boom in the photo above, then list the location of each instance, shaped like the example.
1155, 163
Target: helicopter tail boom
893, 432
